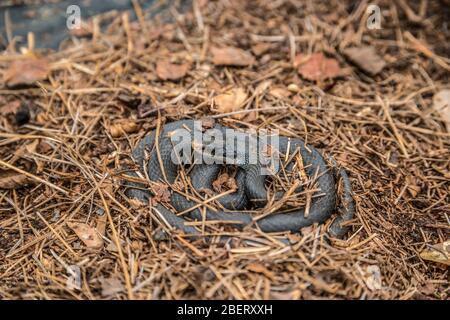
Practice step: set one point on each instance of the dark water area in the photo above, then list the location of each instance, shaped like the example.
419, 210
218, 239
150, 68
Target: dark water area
48, 21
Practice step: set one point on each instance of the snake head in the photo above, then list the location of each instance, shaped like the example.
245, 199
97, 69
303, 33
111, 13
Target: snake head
231, 147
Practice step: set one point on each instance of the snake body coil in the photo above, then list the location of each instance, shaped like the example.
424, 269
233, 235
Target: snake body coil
160, 167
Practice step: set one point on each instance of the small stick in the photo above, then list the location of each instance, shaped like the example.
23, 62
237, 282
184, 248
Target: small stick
281, 202
116, 241
139, 14
217, 196
57, 235
418, 46
190, 246
198, 15
394, 127
195, 199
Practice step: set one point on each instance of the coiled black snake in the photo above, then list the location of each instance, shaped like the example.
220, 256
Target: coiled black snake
159, 166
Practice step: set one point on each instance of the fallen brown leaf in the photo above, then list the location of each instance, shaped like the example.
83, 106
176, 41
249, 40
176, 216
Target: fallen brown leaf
171, 71
248, 117
111, 286
16, 112
439, 253
32, 146
44, 147
230, 101
112, 247
89, 235
10, 179
24, 150
372, 277
365, 58
441, 103
231, 56
413, 188
10, 108
26, 71
317, 67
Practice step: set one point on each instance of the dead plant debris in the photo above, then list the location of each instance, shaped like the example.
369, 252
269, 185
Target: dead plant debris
230, 101
366, 58
230, 56
10, 179
252, 65
171, 71
26, 71
441, 103
89, 235
317, 67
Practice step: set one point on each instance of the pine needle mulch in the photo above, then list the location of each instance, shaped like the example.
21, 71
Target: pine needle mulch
62, 206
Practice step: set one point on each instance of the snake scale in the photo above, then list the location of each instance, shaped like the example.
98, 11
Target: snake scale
157, 162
